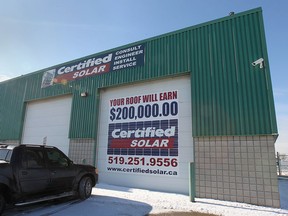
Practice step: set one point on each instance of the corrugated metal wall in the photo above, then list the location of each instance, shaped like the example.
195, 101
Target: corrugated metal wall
11, 108
229, 95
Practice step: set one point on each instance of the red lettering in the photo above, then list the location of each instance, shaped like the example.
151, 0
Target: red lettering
172, 95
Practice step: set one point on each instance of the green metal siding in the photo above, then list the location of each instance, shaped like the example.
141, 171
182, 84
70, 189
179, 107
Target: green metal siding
229, 95
11, 109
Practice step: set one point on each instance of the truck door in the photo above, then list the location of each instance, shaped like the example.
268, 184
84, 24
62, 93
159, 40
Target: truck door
34, 176
61, 169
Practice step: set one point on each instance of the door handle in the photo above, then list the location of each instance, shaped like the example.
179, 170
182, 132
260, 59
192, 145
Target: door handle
24, 173
53, 172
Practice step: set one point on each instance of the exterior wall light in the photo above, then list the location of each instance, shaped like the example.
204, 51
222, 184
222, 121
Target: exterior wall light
84, 94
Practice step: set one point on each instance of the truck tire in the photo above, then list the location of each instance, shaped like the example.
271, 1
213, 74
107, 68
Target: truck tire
2, 203
85, 188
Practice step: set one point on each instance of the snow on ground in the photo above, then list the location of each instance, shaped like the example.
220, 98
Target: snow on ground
108, 200
165, 202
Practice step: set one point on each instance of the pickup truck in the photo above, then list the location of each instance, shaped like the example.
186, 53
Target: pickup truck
37, 173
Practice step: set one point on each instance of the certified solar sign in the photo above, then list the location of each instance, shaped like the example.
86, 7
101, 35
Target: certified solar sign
143, 134
95, 65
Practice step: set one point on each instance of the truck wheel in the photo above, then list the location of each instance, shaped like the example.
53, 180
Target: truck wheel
2, 203
85, 188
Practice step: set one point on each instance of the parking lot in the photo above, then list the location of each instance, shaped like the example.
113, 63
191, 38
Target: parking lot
107, 200
95, 205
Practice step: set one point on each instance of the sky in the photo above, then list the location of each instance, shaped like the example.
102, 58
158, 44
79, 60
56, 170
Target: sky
38, 34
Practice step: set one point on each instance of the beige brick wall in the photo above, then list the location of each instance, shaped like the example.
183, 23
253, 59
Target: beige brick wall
81, 151
241, 169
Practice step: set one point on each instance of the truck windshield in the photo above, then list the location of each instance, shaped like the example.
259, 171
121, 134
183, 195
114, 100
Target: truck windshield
5, 154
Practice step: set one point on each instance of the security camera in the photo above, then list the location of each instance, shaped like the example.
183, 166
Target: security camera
259, 61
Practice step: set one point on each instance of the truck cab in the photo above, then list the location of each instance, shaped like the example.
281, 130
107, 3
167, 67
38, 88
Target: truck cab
31, 173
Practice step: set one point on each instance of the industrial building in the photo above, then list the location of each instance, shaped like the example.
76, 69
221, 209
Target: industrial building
143, 112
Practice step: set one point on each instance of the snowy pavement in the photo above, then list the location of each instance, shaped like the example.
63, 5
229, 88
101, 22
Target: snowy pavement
111, 200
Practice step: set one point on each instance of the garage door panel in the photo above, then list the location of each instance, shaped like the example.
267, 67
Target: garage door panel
155, 183
186, 124
48, 118
145, 135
